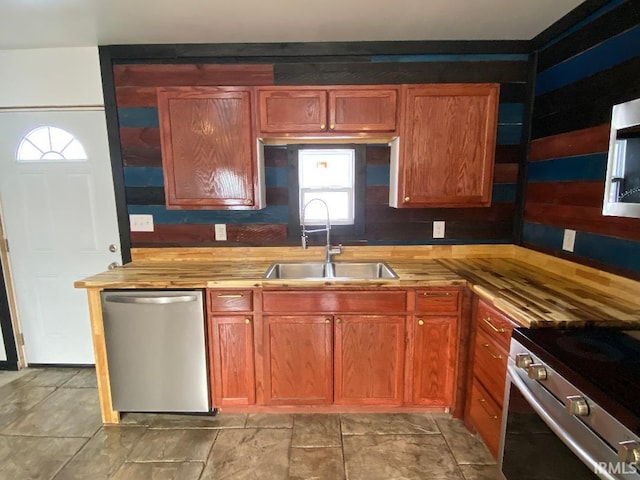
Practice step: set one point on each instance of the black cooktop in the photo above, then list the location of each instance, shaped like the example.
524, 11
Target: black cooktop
603, 363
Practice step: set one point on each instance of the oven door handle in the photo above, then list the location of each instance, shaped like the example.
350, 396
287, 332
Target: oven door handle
554, 425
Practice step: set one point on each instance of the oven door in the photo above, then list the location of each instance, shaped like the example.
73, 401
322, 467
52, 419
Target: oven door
540, 440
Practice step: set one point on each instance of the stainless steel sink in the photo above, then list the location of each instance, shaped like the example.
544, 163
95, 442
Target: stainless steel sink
324, 271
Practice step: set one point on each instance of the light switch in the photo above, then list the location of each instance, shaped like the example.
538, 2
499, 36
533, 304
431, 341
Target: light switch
438, 229
221, 232
141, 223
569, 240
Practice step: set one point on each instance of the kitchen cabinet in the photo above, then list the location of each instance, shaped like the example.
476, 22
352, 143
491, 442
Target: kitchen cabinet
209, 155
231, 347
444, 155
369, 359
340, 347
489, 355
292, 111
433, 335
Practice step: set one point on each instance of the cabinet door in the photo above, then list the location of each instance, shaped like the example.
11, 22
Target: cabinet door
298, 360
292, 110
448, 140
369, 359
434, 360
231, 360
363, 110
207, 148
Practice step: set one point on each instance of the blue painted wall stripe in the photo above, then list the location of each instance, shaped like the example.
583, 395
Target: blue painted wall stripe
602, 248
511, 113
580, 167
509, 134
378, 175
138, 117
504, 193
609, 53
471, 57
143, 177
269, 214
276, 176
598, 13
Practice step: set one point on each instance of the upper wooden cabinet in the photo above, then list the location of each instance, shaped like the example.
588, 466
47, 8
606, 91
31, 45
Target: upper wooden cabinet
209, 156
356, 110
445, 152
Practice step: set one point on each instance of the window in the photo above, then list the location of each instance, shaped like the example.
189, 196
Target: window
49, 143
327, 174
335, 174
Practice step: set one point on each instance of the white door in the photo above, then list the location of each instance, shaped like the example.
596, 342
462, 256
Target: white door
60, 218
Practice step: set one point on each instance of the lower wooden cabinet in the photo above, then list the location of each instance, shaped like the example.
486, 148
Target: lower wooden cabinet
369, 359
298, 360
231, 360
489, 354
434, 360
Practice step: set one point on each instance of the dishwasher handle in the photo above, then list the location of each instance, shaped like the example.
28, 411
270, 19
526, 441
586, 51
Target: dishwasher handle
151, 300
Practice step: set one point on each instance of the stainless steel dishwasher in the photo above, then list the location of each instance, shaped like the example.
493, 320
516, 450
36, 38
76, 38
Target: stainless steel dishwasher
156, 350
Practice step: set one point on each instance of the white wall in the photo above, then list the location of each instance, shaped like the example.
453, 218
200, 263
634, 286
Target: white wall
50, 77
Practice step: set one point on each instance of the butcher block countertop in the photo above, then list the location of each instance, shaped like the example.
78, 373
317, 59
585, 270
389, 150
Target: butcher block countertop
534, 289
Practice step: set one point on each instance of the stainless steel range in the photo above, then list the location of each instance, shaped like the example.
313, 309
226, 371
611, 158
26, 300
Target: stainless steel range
572, 406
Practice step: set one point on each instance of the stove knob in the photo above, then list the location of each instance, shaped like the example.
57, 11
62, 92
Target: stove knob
577, 405
523, 360
536, 371
629, 452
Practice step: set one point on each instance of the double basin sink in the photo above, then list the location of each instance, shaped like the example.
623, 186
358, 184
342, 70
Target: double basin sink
333, 270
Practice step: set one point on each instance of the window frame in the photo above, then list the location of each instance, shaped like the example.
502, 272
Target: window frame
339, 232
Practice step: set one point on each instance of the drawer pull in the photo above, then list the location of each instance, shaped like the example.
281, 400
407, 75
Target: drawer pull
487, 320
230, 295
483, 404
327, 320
247, 321
420, 322
493, 355
436, 294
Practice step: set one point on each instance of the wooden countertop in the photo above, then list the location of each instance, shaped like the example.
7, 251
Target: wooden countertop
220, 274
534, 297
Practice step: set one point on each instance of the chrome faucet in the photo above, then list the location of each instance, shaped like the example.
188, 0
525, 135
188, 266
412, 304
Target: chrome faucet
329, 250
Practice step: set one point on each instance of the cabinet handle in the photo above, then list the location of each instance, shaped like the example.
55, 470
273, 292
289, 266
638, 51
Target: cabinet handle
436, 294
493, 355
247, 321
332, 127
483, 403
327, 320
339, 320
420, 322
230, 295
248, 201
322, 126
406, 199
487, 320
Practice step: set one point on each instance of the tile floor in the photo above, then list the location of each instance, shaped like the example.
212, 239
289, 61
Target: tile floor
50, 429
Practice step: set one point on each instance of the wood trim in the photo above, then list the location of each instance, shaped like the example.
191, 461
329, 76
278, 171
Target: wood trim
109, 415
10, 325
463, 362
188, 75
578, 142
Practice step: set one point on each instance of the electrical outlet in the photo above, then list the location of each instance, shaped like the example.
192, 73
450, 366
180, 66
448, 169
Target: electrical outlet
221, 232
141, 223
569, 240
438, 229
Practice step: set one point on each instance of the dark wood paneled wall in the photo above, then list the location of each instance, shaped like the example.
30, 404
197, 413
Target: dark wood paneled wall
581, 74
138, 70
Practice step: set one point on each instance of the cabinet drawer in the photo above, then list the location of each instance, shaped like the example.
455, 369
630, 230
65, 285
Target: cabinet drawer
485, 416
334, 301
494, 323
437, 300
230, 300
490, 365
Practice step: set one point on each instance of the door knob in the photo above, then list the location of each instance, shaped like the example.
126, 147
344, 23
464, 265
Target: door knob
113, 248
577, 405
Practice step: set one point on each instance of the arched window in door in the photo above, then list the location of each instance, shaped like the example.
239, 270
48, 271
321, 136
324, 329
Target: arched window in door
49, 143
